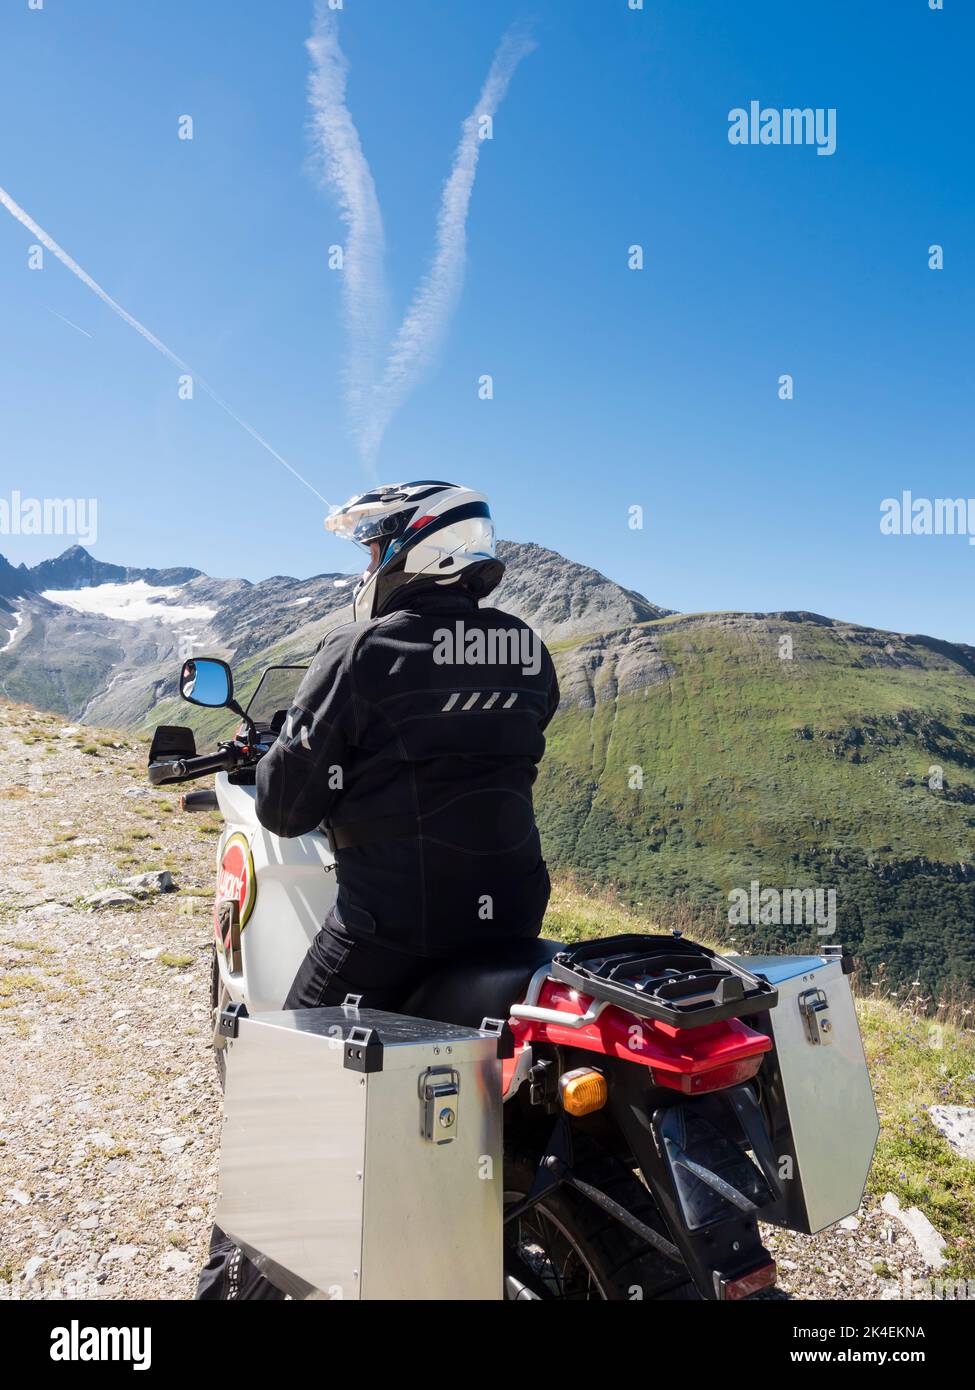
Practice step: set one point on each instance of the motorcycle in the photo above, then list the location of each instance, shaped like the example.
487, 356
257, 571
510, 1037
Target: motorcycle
650, 1102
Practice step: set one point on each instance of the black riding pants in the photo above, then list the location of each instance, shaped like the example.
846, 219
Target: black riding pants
336, 965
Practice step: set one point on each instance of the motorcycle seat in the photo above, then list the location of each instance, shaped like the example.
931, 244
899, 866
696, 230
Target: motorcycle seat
466, 991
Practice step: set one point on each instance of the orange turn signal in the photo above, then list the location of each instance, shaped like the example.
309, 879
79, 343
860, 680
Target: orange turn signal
582, 1091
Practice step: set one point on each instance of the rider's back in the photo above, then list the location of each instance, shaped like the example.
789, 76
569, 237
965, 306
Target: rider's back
416, 737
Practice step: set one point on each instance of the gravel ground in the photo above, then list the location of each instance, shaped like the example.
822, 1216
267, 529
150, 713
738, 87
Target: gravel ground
109, 1107
875, 1260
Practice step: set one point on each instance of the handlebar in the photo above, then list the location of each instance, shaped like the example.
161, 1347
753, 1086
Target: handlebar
184, 769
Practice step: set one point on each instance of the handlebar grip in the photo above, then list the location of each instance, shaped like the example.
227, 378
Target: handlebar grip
223, 761
184, 769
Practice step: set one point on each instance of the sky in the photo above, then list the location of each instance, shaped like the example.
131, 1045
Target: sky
613, 388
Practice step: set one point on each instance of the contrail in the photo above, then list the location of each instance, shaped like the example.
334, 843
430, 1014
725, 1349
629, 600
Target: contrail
343, 166
423, 328
70, 324
48, 241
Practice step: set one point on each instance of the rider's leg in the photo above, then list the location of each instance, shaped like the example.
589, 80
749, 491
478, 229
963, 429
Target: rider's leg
338, 964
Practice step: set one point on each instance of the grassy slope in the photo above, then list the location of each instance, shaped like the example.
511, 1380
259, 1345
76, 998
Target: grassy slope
748, 774
915, 1062
61, 679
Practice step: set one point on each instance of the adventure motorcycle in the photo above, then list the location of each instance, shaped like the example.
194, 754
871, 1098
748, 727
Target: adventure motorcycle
655, 1100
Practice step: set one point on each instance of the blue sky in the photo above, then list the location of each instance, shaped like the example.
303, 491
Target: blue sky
612, 387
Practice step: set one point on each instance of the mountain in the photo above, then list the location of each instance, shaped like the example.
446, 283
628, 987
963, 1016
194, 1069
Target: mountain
698, 755
563, 600
709, 759
77, 569
101, 643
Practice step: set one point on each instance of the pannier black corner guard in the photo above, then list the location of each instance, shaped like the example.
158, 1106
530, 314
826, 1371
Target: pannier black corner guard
665, 978
230, 1019
501, 1029
363, 1049
847, 962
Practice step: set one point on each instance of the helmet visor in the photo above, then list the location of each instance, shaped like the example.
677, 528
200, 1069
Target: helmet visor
365, 522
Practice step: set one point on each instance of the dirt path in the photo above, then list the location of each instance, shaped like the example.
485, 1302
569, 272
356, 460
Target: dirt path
109, 1108
108, 1104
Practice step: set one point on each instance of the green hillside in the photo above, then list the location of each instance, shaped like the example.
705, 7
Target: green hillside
809, 772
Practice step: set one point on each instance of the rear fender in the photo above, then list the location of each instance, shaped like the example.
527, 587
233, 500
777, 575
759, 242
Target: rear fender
717, 1254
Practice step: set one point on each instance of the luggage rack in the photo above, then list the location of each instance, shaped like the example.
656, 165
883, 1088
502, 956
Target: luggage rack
663, 977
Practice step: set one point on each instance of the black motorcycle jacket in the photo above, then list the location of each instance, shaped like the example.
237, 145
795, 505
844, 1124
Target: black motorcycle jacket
415, 740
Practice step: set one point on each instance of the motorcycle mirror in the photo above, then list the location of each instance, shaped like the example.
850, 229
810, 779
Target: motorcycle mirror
207, 682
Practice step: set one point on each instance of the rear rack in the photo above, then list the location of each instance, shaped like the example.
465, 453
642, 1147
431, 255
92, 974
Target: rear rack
665, 978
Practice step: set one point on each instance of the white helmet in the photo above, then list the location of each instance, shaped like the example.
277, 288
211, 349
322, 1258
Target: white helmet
429, 532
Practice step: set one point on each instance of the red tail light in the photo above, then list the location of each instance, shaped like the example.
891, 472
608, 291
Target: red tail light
696, 1083
733, 1290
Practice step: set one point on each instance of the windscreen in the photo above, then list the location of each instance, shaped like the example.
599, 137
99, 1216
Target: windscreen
275, 691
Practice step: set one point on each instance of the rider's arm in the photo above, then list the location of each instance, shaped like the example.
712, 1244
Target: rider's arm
302, 776
553, 692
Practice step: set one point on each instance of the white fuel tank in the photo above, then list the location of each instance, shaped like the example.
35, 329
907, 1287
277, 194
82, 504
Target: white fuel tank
285, 890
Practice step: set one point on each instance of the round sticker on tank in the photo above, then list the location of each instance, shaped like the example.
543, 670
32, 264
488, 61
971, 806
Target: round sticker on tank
236, 879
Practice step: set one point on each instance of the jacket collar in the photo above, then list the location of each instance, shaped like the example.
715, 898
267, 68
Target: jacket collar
431, 599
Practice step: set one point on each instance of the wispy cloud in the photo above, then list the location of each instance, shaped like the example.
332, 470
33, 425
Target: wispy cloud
422, 330
373, 398
47, 241
342, 165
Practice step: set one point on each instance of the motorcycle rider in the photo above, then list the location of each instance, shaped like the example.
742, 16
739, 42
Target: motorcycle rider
414, 739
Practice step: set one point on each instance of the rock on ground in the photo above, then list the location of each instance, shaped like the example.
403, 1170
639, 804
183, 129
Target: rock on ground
929, 1242
957, 1124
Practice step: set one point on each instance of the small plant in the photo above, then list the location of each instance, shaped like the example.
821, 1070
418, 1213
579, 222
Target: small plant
173, 960
63, 852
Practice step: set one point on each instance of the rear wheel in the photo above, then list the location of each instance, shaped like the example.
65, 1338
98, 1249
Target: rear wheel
567, 1248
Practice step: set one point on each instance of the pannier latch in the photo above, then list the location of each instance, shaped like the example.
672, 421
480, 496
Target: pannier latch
814, 1007
439, 1096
